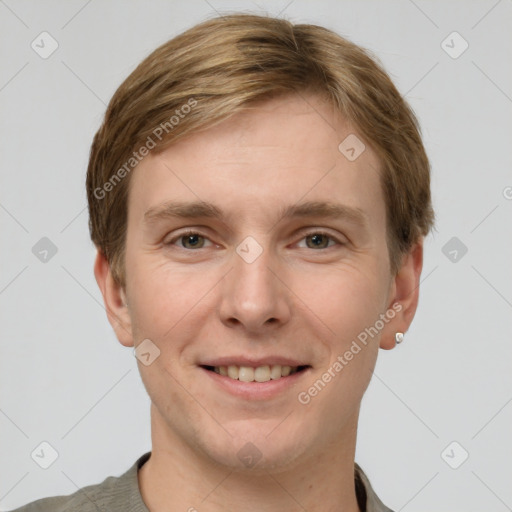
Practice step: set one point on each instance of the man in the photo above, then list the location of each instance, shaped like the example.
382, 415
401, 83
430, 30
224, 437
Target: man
258, 195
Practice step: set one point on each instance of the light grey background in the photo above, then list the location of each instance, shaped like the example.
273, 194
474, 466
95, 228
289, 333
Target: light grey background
64, 377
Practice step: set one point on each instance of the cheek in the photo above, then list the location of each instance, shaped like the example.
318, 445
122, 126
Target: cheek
355, 301
346, 303
343, 303
344, 300
167, 298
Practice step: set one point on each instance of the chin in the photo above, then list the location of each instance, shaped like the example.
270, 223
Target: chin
259, 448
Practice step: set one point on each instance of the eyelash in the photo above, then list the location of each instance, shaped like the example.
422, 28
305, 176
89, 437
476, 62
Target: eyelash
191, 233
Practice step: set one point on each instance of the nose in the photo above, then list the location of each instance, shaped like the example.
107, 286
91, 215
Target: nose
254, 296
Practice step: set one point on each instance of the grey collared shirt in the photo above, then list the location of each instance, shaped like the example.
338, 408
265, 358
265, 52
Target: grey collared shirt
122, 494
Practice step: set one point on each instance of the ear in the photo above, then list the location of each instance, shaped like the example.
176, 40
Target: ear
404, 295
114, 298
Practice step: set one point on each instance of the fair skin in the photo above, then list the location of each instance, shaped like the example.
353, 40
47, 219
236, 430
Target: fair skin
306, 297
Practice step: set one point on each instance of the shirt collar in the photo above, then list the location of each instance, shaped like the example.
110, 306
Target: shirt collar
367, 500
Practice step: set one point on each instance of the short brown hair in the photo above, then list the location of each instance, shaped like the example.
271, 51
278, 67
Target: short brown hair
227, 63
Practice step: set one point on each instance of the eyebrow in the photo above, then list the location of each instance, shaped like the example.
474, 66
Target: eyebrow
184, 210
198, 209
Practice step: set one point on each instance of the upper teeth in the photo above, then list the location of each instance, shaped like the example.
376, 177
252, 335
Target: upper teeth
259, 374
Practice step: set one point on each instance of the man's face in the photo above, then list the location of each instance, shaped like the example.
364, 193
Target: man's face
255, 283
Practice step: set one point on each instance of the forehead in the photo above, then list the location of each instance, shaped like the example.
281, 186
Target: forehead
265, 158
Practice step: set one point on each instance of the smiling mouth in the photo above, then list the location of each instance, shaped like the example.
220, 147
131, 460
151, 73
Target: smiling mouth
259, 374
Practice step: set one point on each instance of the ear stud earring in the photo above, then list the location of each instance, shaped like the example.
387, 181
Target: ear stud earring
399, 337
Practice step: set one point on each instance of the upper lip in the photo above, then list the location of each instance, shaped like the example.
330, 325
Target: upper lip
252, 362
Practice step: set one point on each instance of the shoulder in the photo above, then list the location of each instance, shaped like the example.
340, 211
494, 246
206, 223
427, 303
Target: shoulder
367, 499
73, 502
114, 493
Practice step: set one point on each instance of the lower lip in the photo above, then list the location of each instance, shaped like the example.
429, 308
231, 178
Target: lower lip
255, 390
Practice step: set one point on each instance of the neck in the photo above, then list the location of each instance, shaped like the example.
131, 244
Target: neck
178, 478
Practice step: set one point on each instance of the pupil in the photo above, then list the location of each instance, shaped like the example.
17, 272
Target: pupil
192, 240
318, 240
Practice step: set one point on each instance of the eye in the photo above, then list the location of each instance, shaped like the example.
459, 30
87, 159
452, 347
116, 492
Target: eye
319, 240
189, 240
